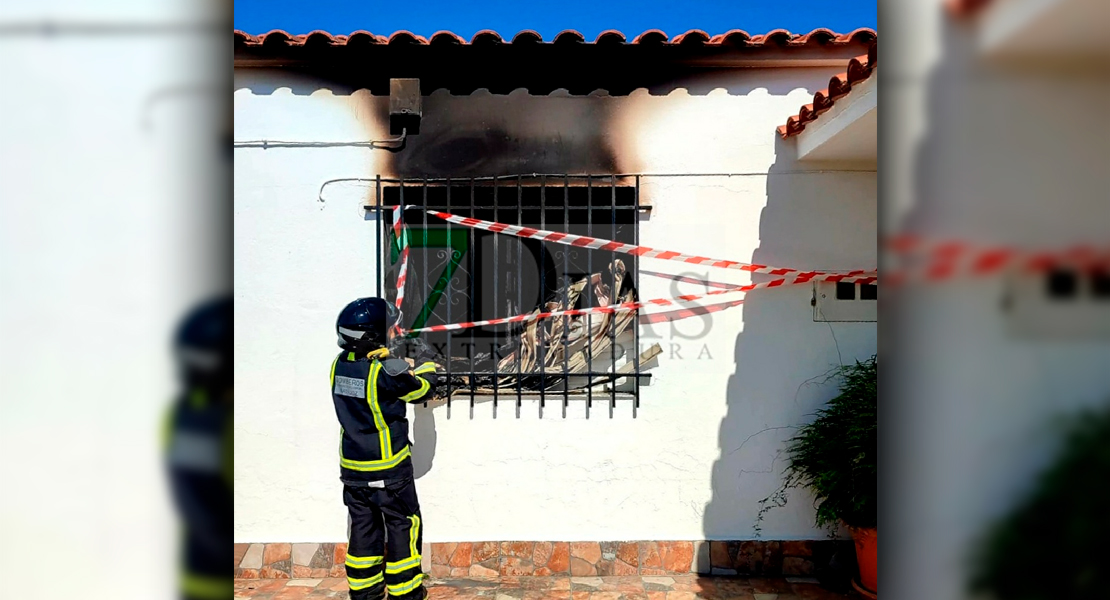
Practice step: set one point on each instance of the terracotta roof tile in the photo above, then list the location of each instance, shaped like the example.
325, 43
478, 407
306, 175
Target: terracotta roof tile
527, 37
735, 37
859, 69
694, 36
610, 36
651, 36
486, 37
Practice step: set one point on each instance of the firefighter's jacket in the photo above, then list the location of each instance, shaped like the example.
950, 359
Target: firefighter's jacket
370, 395
197, 439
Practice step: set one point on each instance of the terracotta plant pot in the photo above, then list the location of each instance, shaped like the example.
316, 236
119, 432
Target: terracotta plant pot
867, 555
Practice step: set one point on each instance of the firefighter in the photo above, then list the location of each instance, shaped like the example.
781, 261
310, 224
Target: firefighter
198, 450
370, 391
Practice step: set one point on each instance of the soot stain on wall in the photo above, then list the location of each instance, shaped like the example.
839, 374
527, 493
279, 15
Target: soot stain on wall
485, 135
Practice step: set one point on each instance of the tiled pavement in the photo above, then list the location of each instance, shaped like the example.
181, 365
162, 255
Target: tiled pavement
669, 587
750, 558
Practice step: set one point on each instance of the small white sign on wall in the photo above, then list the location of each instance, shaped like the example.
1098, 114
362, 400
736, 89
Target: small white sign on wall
1062, 304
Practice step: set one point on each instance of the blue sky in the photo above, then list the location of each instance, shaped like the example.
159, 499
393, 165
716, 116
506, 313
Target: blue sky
550, 17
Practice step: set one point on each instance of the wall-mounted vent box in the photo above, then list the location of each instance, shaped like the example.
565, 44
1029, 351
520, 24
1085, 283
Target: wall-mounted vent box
845, 302
1062, 304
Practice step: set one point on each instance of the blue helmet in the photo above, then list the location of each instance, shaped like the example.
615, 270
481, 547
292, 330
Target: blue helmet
203, 344
364, 324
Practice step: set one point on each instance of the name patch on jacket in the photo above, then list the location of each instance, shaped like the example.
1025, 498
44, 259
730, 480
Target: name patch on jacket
195, 451
350, 386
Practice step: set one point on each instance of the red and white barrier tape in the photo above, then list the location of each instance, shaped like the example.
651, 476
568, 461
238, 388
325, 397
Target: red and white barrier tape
940, 260
686, 313
687, 279
402, 241
794, 276
592, 243
630, 306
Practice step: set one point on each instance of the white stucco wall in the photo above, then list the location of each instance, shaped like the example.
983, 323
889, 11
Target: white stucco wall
974, 410
702, 451
110, 209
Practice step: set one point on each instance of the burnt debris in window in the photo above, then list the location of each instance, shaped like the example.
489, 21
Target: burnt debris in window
462, 274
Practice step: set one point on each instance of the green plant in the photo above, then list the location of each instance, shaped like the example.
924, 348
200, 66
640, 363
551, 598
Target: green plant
1054, 543
835, 456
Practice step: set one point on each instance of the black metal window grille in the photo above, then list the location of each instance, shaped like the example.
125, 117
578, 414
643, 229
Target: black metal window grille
461, 274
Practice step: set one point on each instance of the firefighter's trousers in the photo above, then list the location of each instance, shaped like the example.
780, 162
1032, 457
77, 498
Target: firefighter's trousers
383, 551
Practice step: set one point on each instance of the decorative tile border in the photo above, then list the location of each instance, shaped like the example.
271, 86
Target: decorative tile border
627, 587
773, 558
578, 559
286, 561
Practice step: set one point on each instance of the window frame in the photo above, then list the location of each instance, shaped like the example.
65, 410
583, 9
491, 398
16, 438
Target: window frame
616, 195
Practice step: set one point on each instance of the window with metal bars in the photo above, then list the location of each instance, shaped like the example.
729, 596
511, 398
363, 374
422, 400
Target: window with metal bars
461, 274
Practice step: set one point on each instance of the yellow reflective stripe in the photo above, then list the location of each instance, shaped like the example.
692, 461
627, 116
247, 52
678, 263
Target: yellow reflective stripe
362, 562
375, 465
425, 368
200, 586
385, 443
351, 356
418, 393
414, 534
198, 399
361, 584
167, 429
404, 565
333, 371
406, 587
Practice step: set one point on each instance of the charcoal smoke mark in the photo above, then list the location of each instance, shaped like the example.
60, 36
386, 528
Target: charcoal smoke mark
475, 136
